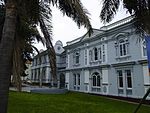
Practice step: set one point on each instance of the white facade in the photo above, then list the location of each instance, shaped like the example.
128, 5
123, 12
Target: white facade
110, 62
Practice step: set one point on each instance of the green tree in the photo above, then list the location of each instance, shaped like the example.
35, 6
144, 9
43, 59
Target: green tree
28, 12
139, 9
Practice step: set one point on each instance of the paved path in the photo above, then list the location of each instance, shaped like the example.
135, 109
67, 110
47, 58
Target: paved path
43, 90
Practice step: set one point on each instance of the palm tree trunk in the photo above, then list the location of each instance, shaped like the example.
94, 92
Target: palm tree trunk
6, 50
51, 53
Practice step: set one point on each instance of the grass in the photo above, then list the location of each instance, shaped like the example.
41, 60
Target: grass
68, 103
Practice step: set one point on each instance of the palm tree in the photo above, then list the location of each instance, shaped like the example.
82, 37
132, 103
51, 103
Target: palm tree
28, 11
139, 9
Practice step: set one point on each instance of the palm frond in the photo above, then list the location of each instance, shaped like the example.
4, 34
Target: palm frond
141, 11
75, 10
109, 9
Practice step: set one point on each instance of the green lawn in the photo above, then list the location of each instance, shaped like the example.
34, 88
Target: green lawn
67, 103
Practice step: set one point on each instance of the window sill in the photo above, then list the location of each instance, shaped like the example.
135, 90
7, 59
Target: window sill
76, 65
121, 57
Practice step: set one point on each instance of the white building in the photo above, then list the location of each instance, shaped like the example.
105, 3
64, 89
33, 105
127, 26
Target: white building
110, 62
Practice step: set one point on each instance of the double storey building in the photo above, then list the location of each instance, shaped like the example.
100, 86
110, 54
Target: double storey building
112, 61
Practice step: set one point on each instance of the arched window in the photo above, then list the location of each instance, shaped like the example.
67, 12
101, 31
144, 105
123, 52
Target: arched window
96, 79
96, 82
122, 45
95, 54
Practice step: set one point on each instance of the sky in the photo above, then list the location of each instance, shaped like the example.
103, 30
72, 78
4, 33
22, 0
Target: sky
65, 29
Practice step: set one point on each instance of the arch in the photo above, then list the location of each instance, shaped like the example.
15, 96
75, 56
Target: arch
96, 79
96, 82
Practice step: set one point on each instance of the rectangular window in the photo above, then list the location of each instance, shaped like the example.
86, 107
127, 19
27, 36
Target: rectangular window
94, 80
77, 58
120, 78
100, 53
74, 79
85, 57
123, 48
91, 55
121, 52
78, 79
128, 78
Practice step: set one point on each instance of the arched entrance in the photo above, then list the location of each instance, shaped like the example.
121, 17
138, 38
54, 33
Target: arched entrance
62, 80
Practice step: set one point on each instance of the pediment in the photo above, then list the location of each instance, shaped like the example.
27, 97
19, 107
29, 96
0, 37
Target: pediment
95, 33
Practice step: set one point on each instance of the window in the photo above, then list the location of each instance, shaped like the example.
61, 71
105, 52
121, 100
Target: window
85, 57
76, 81
76, 57
122, 48
120, 78
124, 81
95, 54
91, 55
128, 78
32, 74
96, 82
100, 53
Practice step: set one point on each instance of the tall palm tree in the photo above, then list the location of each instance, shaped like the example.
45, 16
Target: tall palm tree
28, 11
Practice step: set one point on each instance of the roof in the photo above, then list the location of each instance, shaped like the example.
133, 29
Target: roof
101, 30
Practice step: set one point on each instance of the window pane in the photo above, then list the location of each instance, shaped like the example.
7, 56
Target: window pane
121, 50
120, 78
74, 77
98, 80
100, 53
124, 49
94, 80
78, 79
77, 58
96, 54
129, 79
120, 82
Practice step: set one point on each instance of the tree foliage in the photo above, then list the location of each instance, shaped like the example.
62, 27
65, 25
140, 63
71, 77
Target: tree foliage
139, 9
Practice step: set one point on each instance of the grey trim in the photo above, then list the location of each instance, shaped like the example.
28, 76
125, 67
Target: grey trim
143, 61
124, 64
